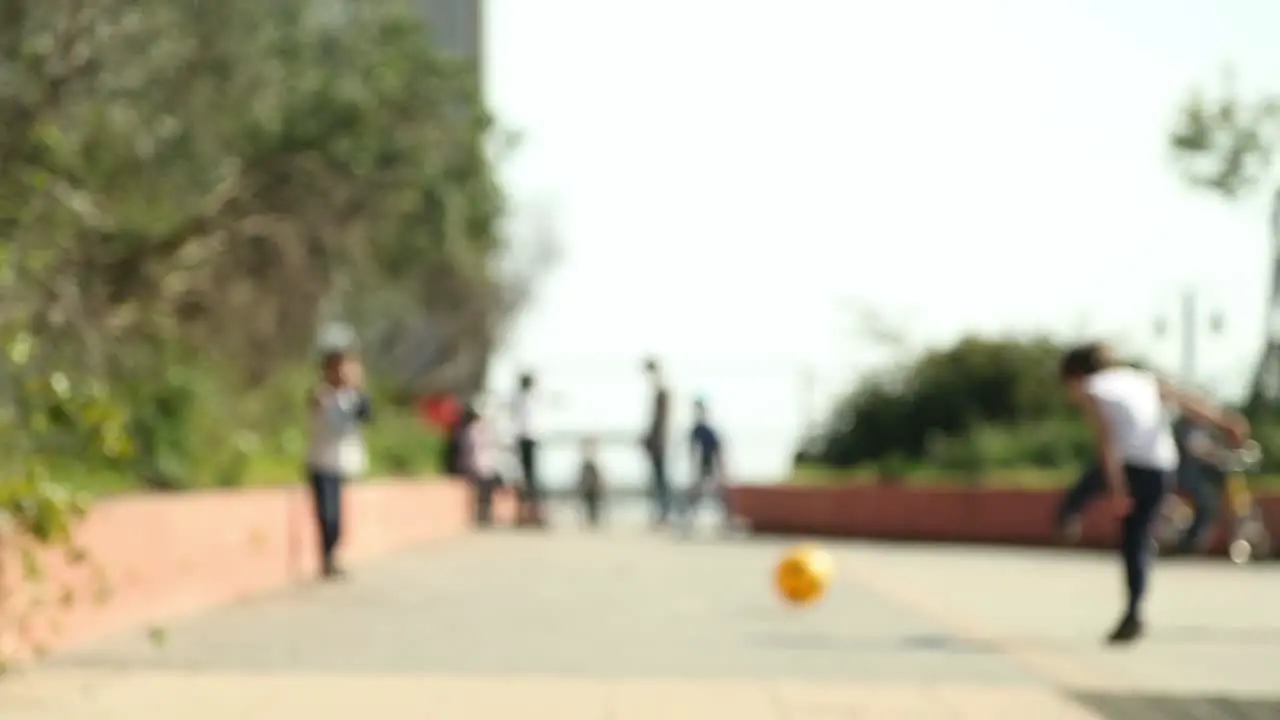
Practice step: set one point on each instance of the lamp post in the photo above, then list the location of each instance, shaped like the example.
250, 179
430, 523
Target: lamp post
1189, 324
1266, 382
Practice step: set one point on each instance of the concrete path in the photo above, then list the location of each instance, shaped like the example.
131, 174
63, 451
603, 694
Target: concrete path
570, 626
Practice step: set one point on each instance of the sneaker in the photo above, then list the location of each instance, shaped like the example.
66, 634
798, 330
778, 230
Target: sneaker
1129, 630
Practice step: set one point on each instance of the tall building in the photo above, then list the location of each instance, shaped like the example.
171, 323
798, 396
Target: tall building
458, 26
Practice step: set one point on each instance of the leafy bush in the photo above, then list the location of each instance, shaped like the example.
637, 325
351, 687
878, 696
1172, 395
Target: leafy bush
948, 394
399, 444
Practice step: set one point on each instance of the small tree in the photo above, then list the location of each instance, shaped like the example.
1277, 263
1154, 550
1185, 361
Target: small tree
1226, 144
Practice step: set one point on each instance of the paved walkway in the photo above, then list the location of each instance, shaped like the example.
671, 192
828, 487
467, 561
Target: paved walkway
625, 625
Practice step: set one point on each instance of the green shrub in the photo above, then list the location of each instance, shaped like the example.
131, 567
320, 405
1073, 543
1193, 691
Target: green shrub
399, 444
187, 428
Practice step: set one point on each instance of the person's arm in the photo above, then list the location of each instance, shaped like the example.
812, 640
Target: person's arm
1231, 424
1200, 446
1109, 458
364, 408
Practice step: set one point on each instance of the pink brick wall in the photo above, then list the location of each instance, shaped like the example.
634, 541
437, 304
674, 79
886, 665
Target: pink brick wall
940, 514
167, 555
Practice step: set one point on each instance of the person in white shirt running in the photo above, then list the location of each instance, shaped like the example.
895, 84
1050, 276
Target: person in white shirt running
1129, 412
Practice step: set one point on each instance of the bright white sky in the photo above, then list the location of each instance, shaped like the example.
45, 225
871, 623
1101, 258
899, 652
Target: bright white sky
729, 178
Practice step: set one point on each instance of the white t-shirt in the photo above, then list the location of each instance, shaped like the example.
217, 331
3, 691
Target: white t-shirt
1139, 423
523, 412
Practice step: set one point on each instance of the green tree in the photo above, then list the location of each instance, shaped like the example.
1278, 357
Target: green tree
1226, 144
188, 190
950, 406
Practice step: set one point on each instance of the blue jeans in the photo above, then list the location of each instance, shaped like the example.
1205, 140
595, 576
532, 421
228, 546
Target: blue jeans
1205, 498
326, 491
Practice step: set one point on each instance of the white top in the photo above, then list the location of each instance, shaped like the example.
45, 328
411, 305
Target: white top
336, 443
1136, 416
523, 412
484, 453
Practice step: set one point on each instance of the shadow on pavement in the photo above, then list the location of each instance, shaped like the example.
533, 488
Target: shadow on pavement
1155, 707
1200, 635
848, 644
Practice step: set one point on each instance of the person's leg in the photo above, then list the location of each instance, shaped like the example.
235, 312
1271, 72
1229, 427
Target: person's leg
593, 509
326, 490
661, 490
320, 512
726, 513
533, 482
1088, 487
1147, 489
483, 488
1205, 503
690, 501
525, 509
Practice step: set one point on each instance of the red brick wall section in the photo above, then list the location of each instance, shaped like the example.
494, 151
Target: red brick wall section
159, 556
944, 514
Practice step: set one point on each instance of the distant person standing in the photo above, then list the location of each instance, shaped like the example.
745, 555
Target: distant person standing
479, 460
655, 443
708, 467
523, 409
591, 484
338, 407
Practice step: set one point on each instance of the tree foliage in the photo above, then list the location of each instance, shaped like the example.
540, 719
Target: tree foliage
189, 190
1225, 143
977, 405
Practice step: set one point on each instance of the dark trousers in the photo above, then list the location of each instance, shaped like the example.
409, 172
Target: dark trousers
1147, 488
531, 497
1205, 497
593, 507
326, 491
485, 489
659, 487
1090, 486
